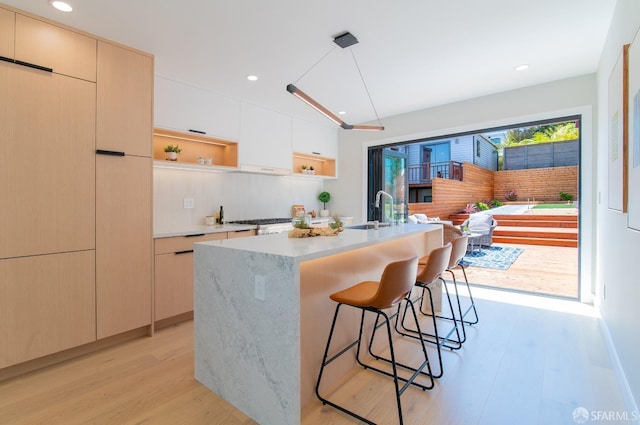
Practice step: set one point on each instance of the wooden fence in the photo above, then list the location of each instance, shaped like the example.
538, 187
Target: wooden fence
481, 185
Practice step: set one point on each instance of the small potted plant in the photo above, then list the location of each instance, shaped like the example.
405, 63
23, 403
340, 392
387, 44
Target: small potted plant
312, 170
511, 195
336, 223
304, 169
324, 197
172, 152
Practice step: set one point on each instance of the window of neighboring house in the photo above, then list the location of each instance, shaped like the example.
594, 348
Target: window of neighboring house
478, 150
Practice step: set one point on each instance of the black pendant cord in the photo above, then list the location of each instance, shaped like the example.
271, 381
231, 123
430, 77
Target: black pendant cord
366, 89
315, 64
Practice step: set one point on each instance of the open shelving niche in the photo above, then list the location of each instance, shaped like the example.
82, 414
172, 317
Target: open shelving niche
223, 153
324, 167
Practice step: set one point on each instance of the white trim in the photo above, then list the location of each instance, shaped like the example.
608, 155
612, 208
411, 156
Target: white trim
627, 394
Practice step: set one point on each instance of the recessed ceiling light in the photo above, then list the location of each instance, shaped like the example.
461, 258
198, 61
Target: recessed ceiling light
522, 67
61, 5
341, 113
252, 78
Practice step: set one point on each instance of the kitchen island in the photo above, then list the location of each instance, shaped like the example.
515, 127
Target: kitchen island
262, 311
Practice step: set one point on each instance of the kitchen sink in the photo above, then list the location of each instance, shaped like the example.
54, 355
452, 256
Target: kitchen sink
367, 226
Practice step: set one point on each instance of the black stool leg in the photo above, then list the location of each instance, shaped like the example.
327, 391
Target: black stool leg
326, 362
417, 371
394, 364
473, 304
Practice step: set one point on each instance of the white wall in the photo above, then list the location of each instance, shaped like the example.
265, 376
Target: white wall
243, 195
616, 245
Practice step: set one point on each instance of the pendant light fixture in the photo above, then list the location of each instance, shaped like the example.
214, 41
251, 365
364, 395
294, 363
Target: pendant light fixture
344, 40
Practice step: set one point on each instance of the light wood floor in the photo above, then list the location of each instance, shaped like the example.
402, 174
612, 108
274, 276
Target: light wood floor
530, 360
548, 270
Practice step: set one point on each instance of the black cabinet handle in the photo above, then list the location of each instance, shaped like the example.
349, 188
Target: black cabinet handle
316, 153
27, 64
32, 65
197, 131
194, 236
245, 230
112, 153
184, 252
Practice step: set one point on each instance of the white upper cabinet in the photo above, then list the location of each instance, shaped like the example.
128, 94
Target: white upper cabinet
314, 139
265, 140
178, 106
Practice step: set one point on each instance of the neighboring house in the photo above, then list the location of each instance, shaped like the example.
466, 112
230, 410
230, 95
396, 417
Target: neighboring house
445, 158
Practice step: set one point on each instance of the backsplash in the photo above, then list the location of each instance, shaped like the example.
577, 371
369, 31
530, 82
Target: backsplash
244, 196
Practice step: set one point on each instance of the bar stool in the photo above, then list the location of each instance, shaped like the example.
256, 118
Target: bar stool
458, 250
428, 275
395, 285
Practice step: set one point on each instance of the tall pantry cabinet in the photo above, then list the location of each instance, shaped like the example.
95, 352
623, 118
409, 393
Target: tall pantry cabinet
124, 255
64, 281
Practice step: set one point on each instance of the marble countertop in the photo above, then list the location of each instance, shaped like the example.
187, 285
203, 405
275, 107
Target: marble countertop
200, 229
303, 249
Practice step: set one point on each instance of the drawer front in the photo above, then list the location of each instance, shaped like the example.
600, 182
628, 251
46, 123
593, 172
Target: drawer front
173, 284
184, 243
241, 233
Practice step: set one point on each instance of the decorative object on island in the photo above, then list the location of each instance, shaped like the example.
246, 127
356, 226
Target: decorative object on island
221, 216
300, 232
344, 40
172, 152
336, 223
298, 210
324, 197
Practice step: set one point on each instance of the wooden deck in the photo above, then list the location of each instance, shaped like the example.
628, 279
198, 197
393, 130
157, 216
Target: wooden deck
548, 270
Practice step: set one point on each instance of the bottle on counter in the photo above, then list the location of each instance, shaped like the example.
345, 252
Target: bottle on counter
221, 221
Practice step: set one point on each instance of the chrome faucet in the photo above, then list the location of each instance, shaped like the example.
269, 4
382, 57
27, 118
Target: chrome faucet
377, 204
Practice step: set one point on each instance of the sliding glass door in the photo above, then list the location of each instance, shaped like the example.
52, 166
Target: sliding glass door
395, 182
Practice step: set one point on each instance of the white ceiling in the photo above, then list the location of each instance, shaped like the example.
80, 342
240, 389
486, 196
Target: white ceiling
412, 54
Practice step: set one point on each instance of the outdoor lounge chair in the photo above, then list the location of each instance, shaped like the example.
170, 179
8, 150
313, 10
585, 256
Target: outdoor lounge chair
482, 224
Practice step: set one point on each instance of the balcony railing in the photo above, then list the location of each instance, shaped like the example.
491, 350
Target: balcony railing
427, 171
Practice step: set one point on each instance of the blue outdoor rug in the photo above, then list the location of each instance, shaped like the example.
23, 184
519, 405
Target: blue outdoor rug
492, 257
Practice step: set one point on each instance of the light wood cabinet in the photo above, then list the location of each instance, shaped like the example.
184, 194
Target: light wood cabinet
64, 51
222, 153
47, 166
241, 234
7, 33
123, 243
125, 100
323, 167
47, 304
173, 280
124, 258
75, 227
